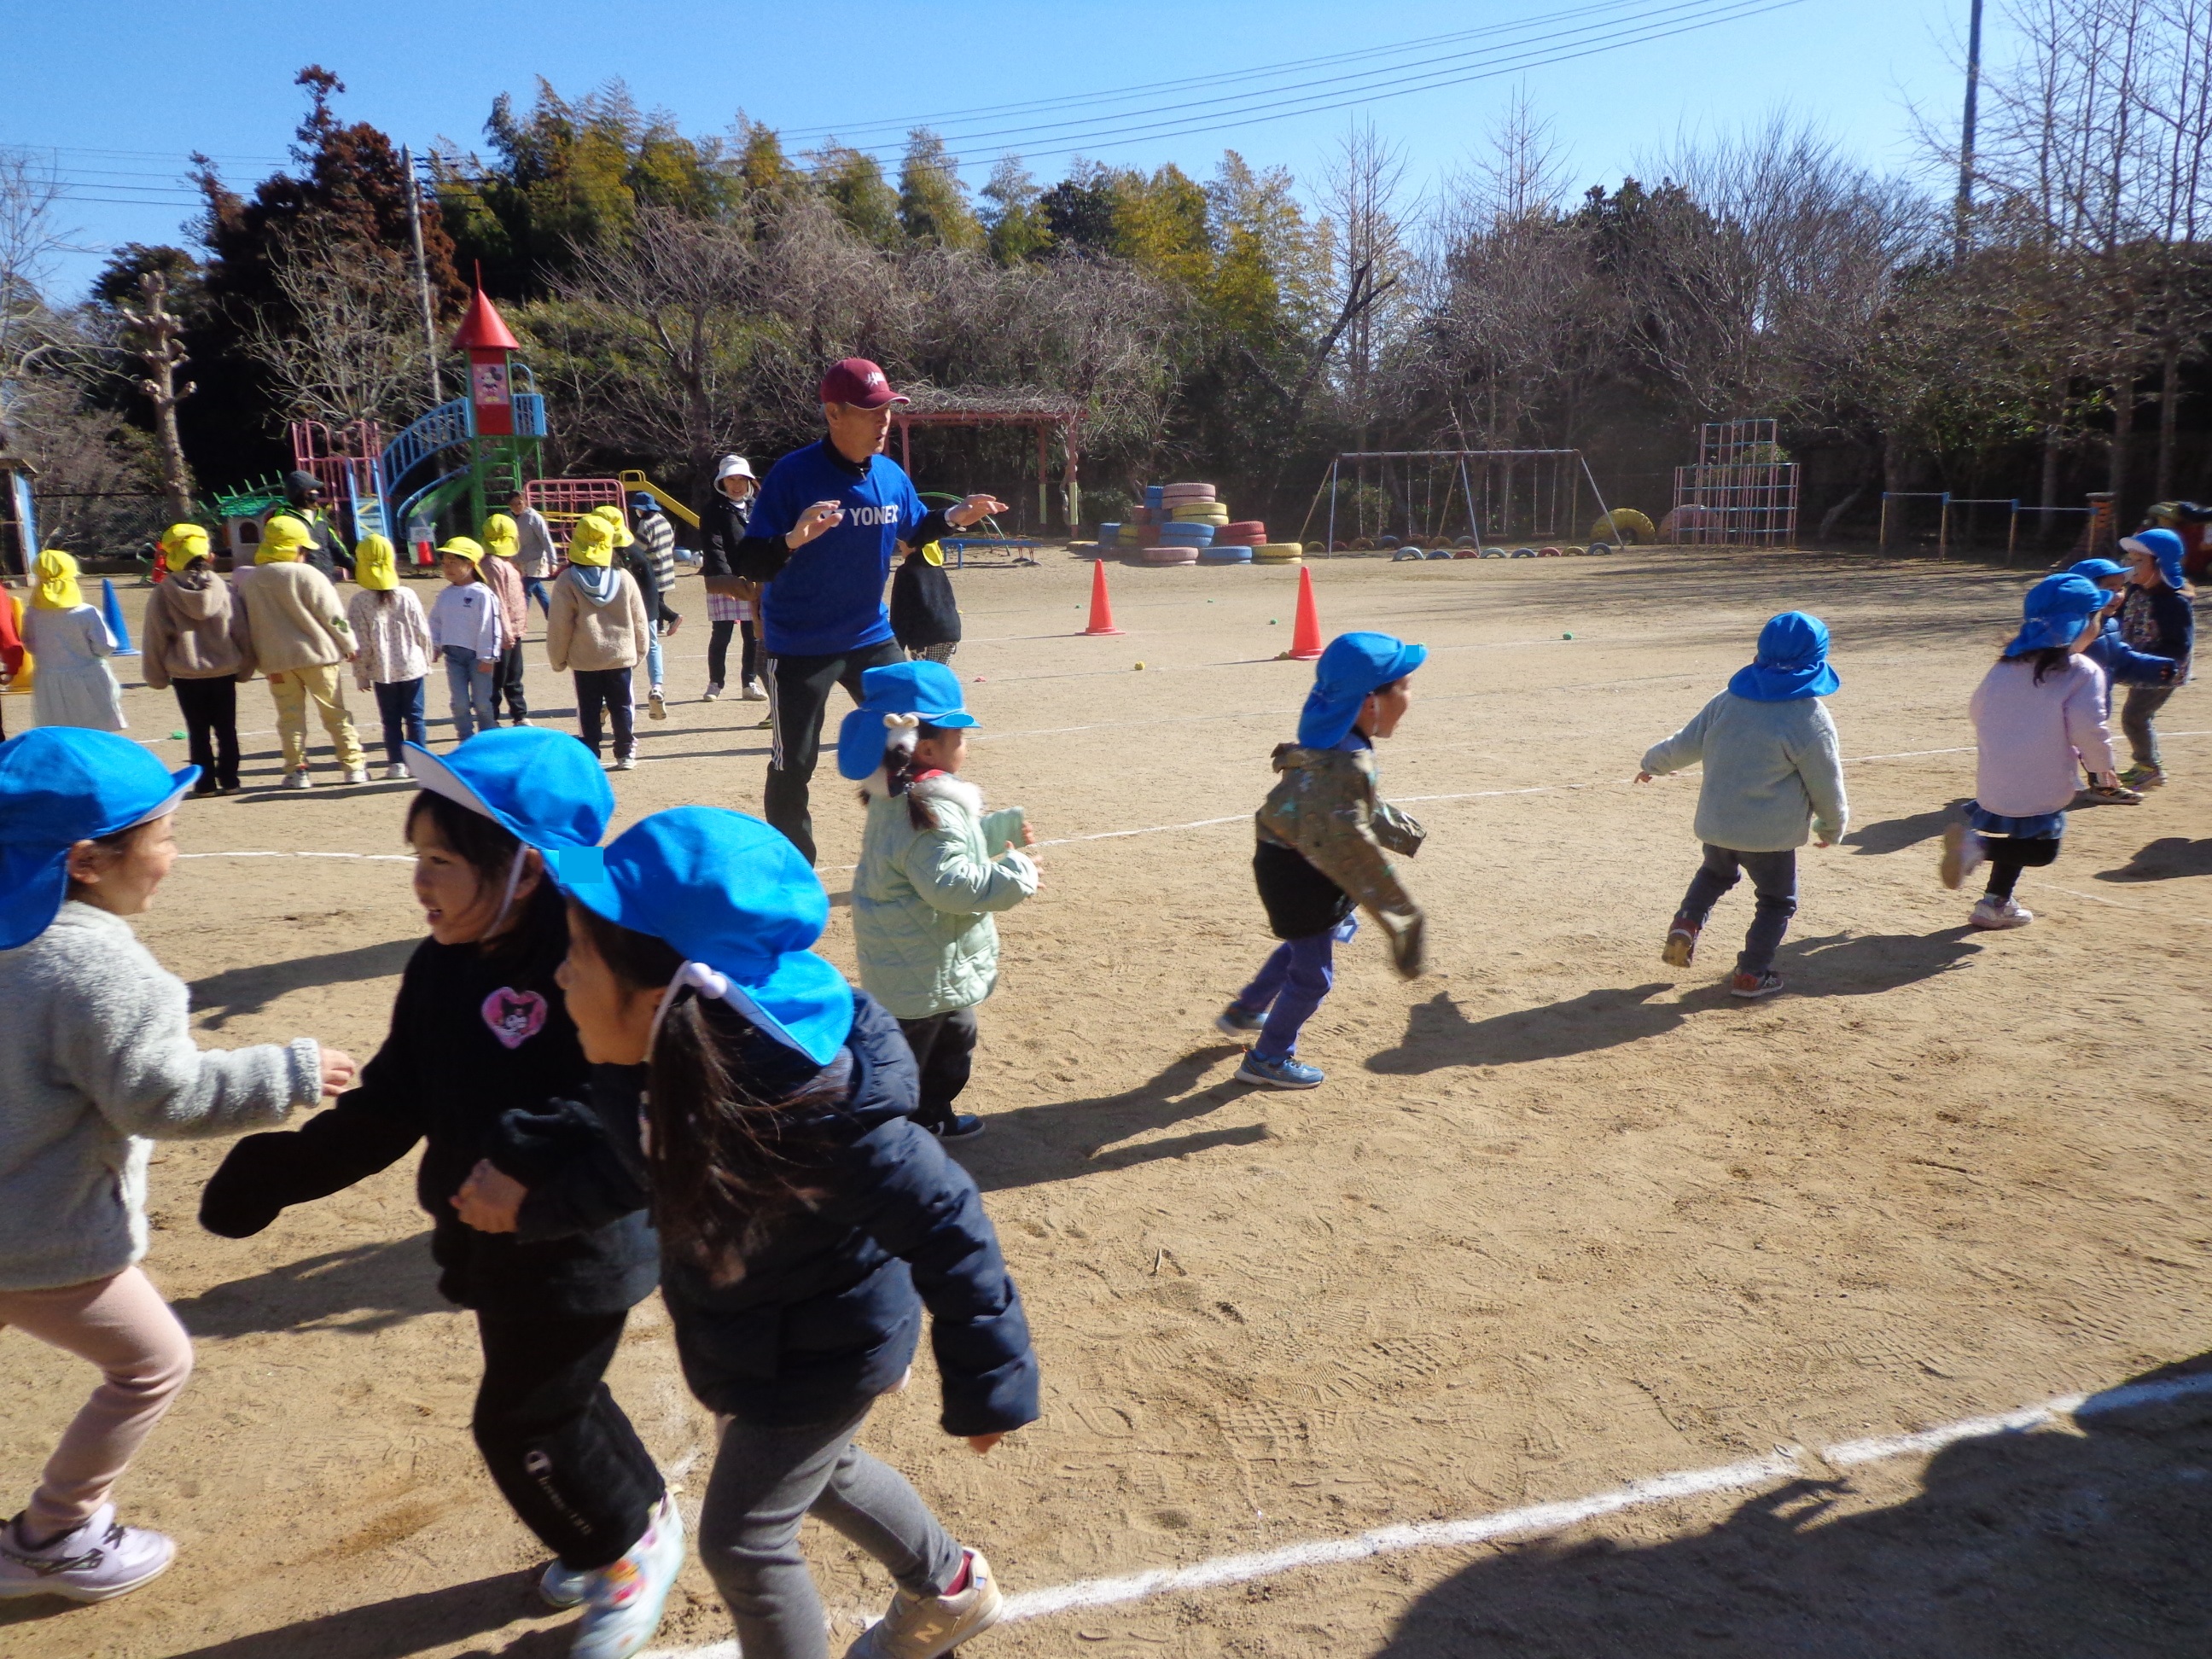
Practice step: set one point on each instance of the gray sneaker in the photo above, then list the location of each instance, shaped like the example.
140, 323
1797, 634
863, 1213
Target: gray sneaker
929, 1626
98, 1561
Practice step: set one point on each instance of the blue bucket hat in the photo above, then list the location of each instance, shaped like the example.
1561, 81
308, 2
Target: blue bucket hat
2096, 571
2055, 610
928, 691
738, 903
60, 785
1352, 669
544, 787
2165, 547
1792, 661
643, 502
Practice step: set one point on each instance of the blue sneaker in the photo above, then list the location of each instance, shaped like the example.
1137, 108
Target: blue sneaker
1238, 1022
621, 1609
1283, 1073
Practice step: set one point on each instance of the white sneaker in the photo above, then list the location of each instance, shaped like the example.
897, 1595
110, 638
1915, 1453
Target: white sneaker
714, 693
625, 763
621, 1608
924, 1627
397, 774
564, 1587
299, 780
357, 774
98, 1561
2000, 914
752, 692
658, 704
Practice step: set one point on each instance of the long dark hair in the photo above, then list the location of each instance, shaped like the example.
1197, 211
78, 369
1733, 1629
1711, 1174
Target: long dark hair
900, 772
489, 850
726, 1164
2047, 659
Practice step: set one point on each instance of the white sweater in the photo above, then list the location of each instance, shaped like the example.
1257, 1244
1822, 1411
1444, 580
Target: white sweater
466, 615
96, 1052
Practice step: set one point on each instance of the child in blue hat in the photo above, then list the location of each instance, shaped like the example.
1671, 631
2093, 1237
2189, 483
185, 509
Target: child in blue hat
2038, 713
934, 867
97, 1061
806, 1220
480, 1048
1324, 833
1771, 772
2157, 618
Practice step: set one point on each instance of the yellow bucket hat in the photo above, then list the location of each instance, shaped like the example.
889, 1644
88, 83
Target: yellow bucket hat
460, 547
57, 589
184, 543
591, 542
376, 565
282, 539
501, 536
618, 527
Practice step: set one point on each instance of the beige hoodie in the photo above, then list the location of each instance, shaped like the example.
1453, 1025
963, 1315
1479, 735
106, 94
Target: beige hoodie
293, 613
599, 627
195, 630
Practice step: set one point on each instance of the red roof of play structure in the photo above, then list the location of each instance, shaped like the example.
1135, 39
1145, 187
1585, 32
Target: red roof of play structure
483, 329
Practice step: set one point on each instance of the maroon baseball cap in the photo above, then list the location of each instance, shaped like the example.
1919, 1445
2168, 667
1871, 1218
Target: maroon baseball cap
861, 383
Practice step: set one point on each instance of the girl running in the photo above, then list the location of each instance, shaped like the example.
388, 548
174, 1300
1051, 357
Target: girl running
2038, 708
806, 1221
2159, 619
96, 1057
73, 685
479, 1046
934, 866
394, 637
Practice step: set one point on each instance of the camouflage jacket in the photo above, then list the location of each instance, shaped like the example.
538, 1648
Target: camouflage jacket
1324, 807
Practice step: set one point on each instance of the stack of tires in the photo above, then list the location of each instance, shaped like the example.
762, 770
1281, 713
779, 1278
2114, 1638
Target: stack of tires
1278, 553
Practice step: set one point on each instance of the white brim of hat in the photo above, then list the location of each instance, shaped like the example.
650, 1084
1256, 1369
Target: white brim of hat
440, 779
169, 802
737, 466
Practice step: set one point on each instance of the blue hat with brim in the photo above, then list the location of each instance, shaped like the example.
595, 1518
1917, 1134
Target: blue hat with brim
2096, 571
60, 785
927, 691
731, 896
1792, 661
1353, 669
2165, 547
544, 787
644, 501
2055, 612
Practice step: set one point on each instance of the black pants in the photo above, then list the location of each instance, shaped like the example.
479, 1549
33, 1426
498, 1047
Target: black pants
718, 653
2010, 854
560, 1449
507, 682
945, 1053
797, 698
210, 711
605, 689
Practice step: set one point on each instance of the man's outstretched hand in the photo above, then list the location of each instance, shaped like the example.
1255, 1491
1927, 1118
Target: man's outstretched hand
973, 511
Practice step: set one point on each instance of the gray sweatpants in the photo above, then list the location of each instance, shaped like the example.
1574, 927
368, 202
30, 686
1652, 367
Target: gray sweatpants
766, 1480
2137, 714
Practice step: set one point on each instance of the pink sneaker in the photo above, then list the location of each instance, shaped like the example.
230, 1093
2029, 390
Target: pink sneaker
98, 1561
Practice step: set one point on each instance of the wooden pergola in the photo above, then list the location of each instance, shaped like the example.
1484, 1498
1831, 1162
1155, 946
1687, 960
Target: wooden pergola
1045, 411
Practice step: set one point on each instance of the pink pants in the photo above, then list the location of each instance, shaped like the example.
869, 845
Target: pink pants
121, 1325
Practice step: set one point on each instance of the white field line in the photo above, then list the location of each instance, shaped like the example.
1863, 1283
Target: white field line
1787, 1463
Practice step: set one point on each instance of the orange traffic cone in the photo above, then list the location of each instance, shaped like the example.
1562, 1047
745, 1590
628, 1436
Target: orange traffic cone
1305, 630
1102, 609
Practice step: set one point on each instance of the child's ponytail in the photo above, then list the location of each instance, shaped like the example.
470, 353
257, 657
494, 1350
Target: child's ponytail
902, 770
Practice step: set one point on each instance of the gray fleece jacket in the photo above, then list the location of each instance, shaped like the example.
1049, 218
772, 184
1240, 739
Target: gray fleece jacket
98, 1054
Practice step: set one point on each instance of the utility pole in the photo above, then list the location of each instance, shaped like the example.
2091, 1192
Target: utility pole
423, 265
1966, 204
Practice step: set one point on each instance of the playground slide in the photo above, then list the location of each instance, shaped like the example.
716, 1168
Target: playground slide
639, 481
423, 506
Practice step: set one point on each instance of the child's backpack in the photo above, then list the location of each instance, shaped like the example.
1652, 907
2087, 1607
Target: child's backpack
923, 611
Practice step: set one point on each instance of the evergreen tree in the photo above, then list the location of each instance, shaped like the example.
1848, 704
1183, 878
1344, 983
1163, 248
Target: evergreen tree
932, 201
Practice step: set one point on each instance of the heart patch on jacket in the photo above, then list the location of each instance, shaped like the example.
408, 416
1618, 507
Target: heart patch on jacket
514, 1017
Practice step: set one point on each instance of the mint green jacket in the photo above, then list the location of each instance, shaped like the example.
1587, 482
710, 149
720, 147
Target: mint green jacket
923, 899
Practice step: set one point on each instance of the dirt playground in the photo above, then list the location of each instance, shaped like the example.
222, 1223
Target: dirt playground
1562, 1219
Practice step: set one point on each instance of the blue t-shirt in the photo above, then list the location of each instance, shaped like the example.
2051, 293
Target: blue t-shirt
829, 598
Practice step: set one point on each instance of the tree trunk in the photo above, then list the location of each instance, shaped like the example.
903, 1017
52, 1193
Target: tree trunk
158, 349
2169, 407
2123, 427
1892, 480
2053, 444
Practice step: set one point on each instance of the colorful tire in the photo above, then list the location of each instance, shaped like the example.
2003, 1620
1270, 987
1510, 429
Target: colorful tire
1548, 552
1491, 553
1438, 553
1523, 553
1466, 553
1624, 527
1601, 547
1402, 553
1246, 530
1225, 555
1165, 555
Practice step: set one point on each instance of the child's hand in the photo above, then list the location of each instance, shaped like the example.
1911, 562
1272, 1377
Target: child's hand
1644, 777
489, 1200
1029, 833
339, 1071
981, 1443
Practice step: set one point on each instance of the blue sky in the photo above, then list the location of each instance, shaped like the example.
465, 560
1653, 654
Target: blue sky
123, 95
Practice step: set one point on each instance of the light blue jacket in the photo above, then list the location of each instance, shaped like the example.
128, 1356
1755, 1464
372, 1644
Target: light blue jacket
922, 899
1772, 772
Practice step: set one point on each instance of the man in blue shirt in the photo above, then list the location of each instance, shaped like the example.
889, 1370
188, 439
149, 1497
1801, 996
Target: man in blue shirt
829, 522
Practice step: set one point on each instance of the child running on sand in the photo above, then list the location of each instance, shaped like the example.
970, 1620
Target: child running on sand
934, 866
2157, 618
394, 636
73, 685
1323, 834
2037, 711
300, 636
1772, 771
479, 1046
96, 1056
805, 1220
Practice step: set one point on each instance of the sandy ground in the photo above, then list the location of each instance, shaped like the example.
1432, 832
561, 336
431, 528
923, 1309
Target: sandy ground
1561, 1218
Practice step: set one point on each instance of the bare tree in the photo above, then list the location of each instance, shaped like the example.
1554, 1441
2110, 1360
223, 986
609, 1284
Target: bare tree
31, 236
348, 345
150, 335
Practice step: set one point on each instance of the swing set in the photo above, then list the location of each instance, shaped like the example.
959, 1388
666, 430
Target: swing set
1477, 498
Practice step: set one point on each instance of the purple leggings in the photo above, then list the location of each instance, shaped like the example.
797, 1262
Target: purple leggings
1291, 985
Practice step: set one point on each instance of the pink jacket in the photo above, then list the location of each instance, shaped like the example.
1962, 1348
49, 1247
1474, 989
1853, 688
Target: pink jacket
2029, 735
